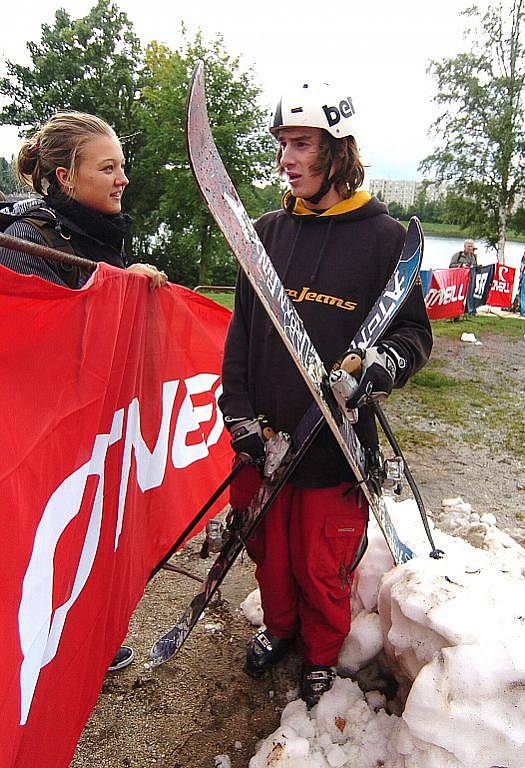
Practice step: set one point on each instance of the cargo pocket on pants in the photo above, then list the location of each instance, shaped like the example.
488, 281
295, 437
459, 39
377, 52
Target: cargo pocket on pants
337, 551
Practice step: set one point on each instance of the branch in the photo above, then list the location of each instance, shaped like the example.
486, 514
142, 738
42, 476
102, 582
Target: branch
43, 252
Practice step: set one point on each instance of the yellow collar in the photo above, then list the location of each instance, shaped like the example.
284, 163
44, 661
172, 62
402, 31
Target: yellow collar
357, 200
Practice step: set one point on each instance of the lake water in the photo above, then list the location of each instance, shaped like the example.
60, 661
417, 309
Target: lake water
438, 252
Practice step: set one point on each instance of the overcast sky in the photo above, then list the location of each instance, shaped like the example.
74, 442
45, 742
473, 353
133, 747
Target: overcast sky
380, 49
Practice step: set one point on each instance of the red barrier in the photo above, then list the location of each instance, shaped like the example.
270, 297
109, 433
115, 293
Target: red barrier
500, 294
447, 294
111, 441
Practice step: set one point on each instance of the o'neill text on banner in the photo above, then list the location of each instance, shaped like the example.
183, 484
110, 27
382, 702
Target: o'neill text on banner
447, 293
500, 294
111, 442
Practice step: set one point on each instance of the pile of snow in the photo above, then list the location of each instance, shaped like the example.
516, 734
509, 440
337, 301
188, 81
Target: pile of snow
452, 631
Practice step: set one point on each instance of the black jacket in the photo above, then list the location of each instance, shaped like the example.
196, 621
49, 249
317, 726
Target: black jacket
333, 267
78, 231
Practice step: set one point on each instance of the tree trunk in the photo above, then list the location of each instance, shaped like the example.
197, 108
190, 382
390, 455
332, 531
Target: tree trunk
502, 232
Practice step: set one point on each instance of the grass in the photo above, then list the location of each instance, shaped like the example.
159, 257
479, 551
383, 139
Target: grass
226, 299
443, 398
447, 407
464, 407
439, 229
479, 325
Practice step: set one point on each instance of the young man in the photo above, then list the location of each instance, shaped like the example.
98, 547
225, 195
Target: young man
334, 249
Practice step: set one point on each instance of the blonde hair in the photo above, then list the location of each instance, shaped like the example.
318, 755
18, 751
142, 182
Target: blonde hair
58, 143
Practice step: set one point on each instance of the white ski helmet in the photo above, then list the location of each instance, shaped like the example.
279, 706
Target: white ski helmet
315, 106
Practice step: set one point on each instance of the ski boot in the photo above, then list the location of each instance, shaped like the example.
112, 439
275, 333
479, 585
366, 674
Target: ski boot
264, 651
315, 680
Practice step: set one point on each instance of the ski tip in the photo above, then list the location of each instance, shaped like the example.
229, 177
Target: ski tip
158, 655
413, 247
414, 228
198, 71
196, 85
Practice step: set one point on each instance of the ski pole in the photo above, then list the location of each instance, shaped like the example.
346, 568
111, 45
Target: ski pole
387, 429
200, 514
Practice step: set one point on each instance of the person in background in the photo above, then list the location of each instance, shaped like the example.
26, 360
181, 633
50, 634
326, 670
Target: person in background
466, 257
75, 162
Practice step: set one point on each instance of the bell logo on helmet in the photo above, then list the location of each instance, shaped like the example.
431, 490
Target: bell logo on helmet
333, 114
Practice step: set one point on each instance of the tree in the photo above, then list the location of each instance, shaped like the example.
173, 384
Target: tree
8, 182
176, 229
426, 207
397, 210
90, 64
481, 120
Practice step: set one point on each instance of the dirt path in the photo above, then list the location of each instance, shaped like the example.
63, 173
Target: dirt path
201, 704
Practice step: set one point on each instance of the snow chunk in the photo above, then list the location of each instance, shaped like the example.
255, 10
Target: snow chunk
213, 626
470, 339
284, 748
363, 643
342, 730
252, 608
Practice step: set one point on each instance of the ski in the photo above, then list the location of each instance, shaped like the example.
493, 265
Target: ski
243, 523
229, 213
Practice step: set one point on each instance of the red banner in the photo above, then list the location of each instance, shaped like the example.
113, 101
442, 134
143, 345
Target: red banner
447, 293
500, 294
111, 441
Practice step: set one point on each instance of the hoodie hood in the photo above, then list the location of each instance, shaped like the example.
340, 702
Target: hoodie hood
361, 205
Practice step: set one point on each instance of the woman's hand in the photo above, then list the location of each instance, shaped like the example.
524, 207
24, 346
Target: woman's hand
156, 279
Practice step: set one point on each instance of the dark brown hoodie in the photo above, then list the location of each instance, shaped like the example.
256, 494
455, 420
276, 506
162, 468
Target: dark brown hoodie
333, 266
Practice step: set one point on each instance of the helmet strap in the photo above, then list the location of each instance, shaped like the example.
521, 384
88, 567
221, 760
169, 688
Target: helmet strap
322, 191
327, 181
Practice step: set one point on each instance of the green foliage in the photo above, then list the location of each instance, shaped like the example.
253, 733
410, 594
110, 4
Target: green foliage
259, 200
8, 182
481, 123
89, 64
518, 220
95, 64
397, 210
178, 232
426, 209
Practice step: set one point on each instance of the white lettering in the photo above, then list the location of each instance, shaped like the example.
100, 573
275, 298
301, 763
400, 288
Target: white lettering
41, 627
151, 465
39, 633
448, 295
190, 420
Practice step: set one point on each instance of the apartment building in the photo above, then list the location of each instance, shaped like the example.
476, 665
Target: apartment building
403, 192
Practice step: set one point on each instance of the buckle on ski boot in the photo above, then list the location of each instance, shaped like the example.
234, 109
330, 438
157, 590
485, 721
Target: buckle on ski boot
264, 651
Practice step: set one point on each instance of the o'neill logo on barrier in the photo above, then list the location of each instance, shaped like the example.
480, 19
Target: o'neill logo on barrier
500, 294
447, 294
41, 626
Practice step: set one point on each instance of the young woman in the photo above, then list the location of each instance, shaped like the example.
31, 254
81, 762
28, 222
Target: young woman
75, 163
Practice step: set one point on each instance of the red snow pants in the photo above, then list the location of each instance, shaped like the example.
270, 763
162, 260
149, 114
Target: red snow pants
305, 550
